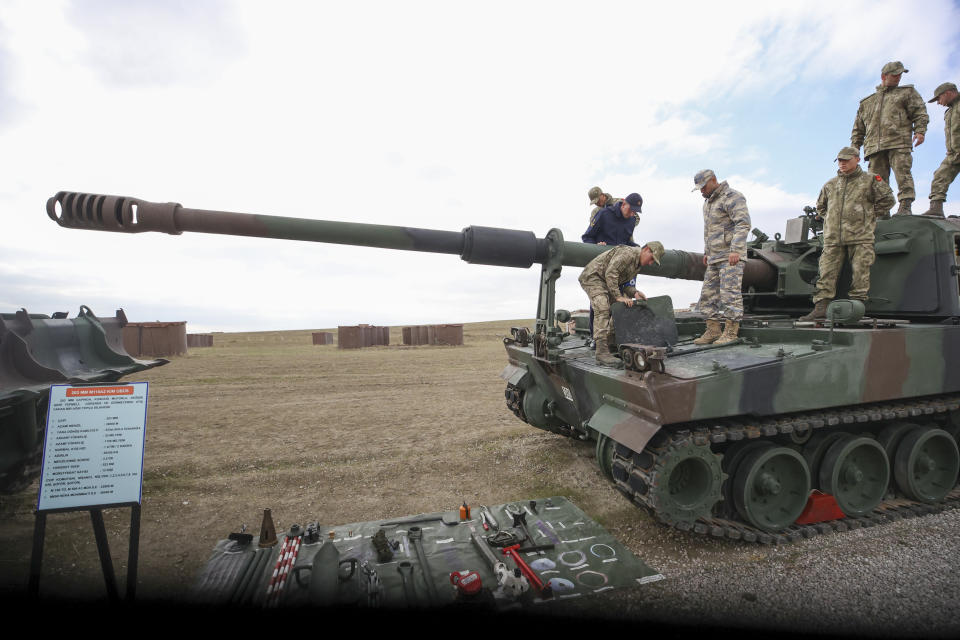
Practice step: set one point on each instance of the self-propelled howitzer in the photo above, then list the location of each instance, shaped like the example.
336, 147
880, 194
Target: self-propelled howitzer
475, 244
727, 441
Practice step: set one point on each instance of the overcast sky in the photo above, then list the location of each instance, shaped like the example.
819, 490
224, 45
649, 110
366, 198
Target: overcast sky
424, 114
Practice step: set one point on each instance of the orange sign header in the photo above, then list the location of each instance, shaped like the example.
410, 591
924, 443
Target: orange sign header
75, 392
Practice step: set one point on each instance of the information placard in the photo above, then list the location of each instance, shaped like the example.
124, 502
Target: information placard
93, 452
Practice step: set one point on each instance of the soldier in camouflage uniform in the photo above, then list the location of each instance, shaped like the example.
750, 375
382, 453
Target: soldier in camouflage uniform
602, 200
849, 204
726, 222
599, 199
946, 96
602, 279
889, 124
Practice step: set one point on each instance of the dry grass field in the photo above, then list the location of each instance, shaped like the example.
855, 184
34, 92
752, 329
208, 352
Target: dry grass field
268, 420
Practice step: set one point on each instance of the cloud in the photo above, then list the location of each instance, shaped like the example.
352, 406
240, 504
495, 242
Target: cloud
141, 43
11, 108
432, 115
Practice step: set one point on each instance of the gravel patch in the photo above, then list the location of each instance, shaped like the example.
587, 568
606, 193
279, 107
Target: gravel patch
901, 579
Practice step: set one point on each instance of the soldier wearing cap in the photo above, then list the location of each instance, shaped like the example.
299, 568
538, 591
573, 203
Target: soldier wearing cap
615, 222
849, 204
606, 279
613, 225
600, 199
726, 222
946, 96
889, 124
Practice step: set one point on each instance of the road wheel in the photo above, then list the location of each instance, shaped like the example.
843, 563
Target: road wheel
856, 472
926, 464
771, 487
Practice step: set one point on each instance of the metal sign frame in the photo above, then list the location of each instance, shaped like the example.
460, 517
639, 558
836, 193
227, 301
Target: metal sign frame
99, 529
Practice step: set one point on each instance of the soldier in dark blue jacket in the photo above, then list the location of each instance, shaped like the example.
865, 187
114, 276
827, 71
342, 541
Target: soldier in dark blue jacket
615, 223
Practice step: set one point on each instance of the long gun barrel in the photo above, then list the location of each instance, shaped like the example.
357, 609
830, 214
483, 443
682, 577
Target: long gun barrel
476, 245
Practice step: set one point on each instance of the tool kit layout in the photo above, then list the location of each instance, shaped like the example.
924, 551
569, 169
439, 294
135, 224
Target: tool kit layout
503, 556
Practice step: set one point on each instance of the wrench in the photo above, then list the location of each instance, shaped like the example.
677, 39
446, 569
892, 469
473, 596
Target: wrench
415, 535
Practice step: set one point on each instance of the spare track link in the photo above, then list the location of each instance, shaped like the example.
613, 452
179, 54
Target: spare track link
632, 478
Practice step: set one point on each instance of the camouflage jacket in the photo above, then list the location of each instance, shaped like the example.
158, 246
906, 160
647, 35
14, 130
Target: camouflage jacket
596, 210
615, 267
951, 130
726, 223
850, 205
888, 119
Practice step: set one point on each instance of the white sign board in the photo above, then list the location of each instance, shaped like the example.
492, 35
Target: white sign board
93, 451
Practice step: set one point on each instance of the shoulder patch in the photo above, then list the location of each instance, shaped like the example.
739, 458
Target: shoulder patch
879, 179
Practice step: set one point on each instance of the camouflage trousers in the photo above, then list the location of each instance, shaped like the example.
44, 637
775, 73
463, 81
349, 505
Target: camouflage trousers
599, 306
901, 161
720, 296
831, 261
943, 176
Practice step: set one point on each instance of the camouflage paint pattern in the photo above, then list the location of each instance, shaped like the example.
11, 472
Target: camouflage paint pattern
888, 119
914, 275
943, 177
863, 365
850, 204
602, 279
609, 270
950, 167
861, 258
610, 200
720, 296
726, 223
901, 161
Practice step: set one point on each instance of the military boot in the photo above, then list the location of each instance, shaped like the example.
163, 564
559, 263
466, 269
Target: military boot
731, 329
604, 357
711, 334
935, 210
904, 209
819, 312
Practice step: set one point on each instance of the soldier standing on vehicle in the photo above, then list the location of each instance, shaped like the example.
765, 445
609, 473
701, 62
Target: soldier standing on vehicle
613, 225
726, 222
615, 222
603, 278
946, 96
889, 124
849, 204
600, 199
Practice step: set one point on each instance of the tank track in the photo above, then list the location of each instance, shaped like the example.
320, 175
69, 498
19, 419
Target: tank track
635, 473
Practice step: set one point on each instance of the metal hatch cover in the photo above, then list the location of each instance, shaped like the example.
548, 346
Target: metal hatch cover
650, 322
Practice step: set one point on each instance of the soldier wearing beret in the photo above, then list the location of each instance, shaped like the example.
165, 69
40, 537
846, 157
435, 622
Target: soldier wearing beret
946, 96
889, 124
849, 204
606, 279
726, 222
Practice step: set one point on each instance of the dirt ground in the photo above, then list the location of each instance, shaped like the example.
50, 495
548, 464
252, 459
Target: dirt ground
268, 420
314, 433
